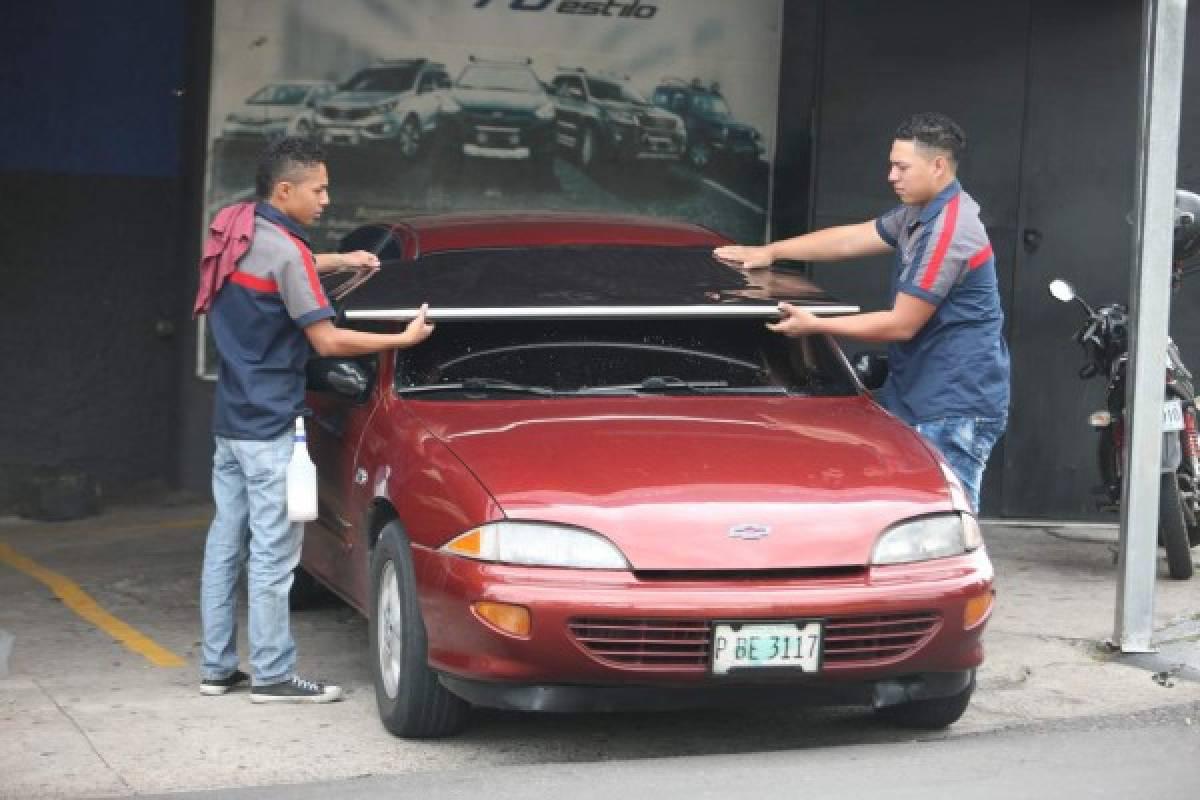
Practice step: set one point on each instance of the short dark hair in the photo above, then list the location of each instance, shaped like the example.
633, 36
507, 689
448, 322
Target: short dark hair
936, 131
282, 158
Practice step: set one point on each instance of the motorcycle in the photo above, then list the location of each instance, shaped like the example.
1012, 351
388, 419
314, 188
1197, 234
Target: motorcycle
1104, 337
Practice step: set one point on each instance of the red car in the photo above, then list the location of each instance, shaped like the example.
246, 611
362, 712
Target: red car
603, 484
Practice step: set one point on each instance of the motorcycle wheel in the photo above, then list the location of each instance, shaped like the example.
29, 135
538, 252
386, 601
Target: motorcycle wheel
1109, 462
1172, 530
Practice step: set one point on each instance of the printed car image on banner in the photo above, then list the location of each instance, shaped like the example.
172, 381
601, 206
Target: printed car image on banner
664, 108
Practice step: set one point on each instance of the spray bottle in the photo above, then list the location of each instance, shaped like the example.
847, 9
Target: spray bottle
301, 480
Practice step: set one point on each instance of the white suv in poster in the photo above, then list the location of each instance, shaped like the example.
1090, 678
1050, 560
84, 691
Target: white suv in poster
393, 103
276, 110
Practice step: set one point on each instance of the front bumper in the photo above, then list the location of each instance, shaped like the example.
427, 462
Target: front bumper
376, 128
503, 139
555, 662
631, 143
567, 698
244, 130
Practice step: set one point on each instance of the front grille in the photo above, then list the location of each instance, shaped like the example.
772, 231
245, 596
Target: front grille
519, 119
857, 641
330, 112
681, 644
652, 123
684, 644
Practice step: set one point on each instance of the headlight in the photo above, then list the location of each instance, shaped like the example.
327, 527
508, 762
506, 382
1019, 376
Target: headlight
384, 108
928, 538
622, 117
537, 544
545, 112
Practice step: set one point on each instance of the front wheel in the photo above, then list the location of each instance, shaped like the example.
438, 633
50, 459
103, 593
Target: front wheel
412, 702
1172, 529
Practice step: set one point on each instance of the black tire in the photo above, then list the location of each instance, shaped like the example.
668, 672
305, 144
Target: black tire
412, 702
408, 142
932, 714
699, 156
588, 147
1172, 530
307, 592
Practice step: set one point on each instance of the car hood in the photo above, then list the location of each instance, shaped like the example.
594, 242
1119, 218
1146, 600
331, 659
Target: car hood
694, 483
350, 100
498, 100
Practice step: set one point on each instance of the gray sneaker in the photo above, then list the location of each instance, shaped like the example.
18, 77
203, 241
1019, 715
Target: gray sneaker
296, 690
219, 686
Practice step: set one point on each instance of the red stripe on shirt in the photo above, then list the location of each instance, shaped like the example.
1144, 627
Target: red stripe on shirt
251, 282
310, 266
981, 258
939, 254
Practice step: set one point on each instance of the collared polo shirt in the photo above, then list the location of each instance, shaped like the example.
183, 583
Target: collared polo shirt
257, 321
957, 365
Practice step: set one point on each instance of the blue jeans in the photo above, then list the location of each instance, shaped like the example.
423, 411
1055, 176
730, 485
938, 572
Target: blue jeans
966, 443
250, 528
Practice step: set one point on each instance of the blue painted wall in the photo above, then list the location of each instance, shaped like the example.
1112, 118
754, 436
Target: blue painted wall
90, 87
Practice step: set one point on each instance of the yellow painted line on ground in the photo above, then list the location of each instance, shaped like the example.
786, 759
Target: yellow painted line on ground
199, 522
82, 604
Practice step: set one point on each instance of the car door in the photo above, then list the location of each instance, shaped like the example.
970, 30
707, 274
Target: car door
335, 431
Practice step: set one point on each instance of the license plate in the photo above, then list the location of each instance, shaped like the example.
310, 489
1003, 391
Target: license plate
795, 645
1172, 419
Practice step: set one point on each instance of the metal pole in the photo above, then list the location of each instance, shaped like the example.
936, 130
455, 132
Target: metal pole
1157, 154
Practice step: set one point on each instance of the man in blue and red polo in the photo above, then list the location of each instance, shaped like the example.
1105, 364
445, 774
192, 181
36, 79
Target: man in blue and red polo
267, 314
948, 363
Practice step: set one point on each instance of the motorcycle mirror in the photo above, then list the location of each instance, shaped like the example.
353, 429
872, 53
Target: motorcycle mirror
1061, 290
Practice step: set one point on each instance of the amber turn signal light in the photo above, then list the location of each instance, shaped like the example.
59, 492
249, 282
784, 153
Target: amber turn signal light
977, 609
507, 618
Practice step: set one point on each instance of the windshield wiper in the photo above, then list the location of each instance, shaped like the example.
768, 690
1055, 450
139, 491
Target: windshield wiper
668, 384
481, 386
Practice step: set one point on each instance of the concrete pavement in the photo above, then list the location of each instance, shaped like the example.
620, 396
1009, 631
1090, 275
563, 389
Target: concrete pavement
85, 715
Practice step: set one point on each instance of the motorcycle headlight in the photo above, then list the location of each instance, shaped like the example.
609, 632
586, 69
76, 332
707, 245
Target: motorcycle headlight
536, 544
927, 538
545, 111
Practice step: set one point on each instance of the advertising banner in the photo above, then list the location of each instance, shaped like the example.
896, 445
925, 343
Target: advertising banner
665, 108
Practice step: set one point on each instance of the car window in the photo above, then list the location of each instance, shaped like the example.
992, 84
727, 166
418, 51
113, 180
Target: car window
382, 79
589, 357
711, 104
615, 92
280, 94
511, 79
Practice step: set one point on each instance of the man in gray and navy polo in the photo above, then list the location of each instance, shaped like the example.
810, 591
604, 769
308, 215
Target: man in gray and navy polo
948, 363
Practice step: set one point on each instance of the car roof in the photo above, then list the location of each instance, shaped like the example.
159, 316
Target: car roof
562, 265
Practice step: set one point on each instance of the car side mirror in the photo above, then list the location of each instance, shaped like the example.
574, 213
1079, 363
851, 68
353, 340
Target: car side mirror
342, 376
871, 369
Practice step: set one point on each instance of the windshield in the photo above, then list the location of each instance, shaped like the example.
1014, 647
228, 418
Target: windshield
479, 360
608, 90
509, 79
710, 104
279, 95
382, 79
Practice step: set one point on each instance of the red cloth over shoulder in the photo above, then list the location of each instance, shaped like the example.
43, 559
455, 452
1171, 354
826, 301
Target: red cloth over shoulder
229, 237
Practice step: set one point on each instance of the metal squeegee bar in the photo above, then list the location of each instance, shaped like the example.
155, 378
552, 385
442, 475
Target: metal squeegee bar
591, 312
